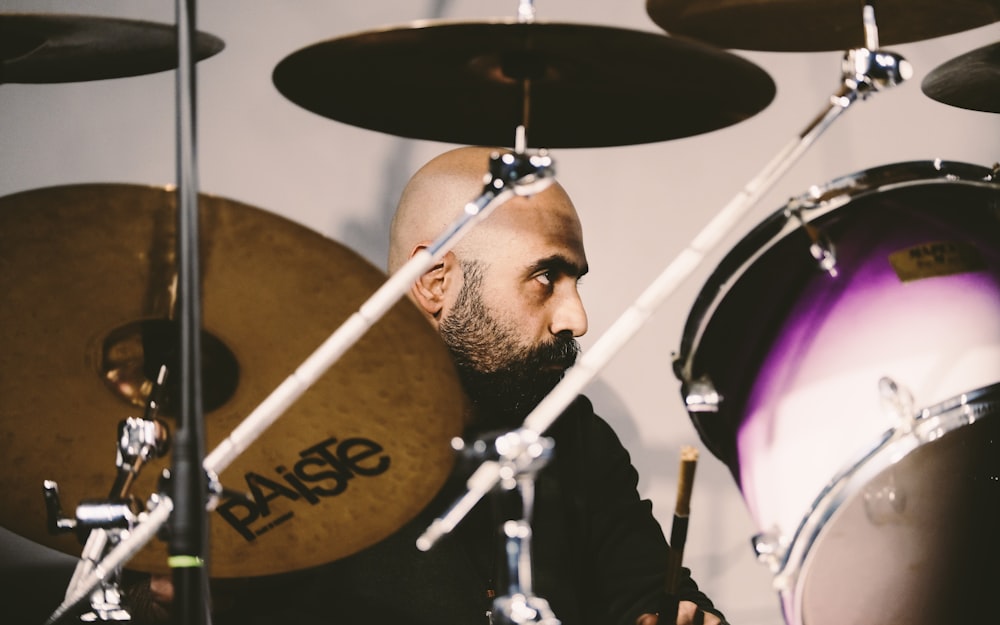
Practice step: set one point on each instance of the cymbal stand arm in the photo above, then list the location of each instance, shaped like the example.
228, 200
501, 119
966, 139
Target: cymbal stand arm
864, 72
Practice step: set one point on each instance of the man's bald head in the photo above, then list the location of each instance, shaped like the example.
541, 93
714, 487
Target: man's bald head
435, 197
505, 297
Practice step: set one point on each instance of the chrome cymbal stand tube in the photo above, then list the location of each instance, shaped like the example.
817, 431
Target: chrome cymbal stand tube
865, 71
511, 174
520, 605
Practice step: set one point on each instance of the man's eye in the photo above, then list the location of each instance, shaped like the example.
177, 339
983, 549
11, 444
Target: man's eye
545, 278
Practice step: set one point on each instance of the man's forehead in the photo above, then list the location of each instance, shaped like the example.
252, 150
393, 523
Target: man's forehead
547, 212
557, 225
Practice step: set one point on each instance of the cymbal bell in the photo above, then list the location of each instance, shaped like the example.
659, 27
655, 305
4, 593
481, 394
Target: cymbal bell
969, 81
571, 85
41, 48
87, 274
816, 25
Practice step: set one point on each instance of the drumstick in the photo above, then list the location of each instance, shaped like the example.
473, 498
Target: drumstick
678, 531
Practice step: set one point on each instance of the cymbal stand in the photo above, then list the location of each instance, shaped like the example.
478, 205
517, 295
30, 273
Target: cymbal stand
865, 71
106, 523
102, 524
520, 173
520, 605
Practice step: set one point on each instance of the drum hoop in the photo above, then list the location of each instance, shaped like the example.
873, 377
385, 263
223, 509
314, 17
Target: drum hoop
929, 424
817, 202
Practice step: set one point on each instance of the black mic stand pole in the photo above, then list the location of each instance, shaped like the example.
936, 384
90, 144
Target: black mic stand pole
189, 482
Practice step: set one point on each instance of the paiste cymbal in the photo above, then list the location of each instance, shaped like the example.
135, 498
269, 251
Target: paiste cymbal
86, 274
816, 25
461, 82
969, 81
39, 48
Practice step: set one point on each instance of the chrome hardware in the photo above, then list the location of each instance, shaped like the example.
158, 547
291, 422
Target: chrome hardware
701, 396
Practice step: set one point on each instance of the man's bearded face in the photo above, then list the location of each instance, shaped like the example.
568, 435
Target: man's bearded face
504, 377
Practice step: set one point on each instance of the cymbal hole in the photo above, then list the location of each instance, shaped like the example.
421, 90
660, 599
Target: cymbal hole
131, 356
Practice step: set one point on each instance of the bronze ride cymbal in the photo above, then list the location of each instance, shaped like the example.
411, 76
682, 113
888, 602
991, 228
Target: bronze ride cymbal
86, 273
588, 86
969, 81
816, 25
39, 48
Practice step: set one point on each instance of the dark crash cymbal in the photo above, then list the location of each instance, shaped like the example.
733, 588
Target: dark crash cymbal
816, 25
969, 81
40, 48
587, 86
87, 274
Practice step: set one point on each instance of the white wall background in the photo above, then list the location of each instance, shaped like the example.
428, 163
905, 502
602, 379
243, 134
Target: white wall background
640, 205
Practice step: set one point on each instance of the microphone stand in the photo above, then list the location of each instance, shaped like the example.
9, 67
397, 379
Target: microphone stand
865, 71
189, 484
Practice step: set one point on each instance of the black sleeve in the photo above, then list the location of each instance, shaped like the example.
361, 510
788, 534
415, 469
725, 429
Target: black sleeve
625, 552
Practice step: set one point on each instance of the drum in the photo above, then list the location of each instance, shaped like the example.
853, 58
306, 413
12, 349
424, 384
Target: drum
843, 360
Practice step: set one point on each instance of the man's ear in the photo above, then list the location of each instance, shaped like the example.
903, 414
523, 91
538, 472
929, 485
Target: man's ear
431, 289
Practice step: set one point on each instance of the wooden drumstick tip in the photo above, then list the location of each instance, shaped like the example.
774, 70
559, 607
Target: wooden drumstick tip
685, 481
689, 454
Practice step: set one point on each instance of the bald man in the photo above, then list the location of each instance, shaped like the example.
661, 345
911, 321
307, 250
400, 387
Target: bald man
506, 301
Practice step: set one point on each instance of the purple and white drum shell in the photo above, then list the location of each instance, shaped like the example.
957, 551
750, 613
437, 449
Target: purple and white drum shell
798, 354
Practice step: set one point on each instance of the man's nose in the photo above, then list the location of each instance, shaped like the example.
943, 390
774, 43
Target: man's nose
569, 314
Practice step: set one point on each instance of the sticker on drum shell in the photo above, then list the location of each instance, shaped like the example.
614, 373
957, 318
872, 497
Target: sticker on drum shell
936, 258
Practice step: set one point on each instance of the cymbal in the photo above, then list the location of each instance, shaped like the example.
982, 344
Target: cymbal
969, 81
87, 273
40, 48
816, 25
461, 82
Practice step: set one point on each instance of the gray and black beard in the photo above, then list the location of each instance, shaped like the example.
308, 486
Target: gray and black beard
504, 380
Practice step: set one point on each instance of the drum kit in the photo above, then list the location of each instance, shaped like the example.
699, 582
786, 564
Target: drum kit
898, 511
